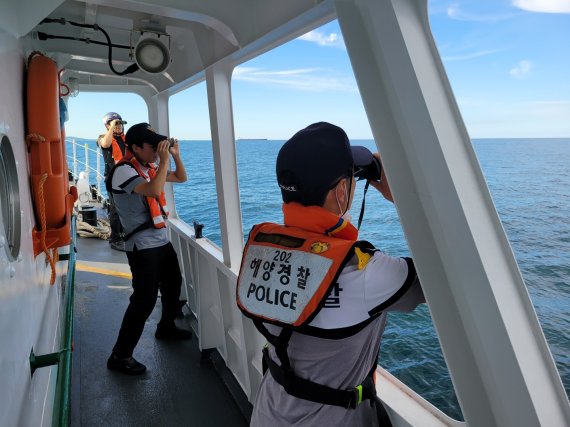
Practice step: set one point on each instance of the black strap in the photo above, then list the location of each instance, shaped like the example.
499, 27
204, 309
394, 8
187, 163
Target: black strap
306, 389
315, 392
280, 342
381, 414
383, 418
143, 226
363, 203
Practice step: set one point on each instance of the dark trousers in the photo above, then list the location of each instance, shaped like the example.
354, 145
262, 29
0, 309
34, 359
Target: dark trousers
152, 269
115, 222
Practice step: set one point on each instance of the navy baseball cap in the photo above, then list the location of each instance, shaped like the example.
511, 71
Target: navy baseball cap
314, 160
141, 133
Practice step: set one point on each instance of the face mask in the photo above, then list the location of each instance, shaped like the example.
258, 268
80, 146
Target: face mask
344, 213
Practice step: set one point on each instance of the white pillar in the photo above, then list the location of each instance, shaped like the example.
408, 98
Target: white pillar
159, 120
499, 361
218, 79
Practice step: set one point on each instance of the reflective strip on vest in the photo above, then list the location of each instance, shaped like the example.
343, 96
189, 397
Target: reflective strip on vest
158, 221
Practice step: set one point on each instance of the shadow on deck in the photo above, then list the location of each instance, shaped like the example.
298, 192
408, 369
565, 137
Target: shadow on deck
176, 390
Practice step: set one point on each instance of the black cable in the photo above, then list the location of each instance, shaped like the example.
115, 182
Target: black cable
45, 36
130, 69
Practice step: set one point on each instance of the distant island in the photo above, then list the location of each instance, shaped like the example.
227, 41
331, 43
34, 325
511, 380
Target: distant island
252, 139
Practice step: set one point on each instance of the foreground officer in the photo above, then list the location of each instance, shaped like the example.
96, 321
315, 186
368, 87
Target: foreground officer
319, 295
137, 188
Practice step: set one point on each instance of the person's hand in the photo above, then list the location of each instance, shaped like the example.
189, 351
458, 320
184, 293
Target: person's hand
162, 150
115, 123
175, 149
382, 185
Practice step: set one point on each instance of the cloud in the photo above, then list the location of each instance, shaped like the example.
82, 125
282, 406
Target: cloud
322, 39
304, 79
456, 13
521, 70
546, 6
470, 55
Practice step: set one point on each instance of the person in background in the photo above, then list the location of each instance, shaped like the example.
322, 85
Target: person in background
137, 188
319, 295
112, 144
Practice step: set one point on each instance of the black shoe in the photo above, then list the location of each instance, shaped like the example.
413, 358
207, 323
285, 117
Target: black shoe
128, 365
173, 333
118, 245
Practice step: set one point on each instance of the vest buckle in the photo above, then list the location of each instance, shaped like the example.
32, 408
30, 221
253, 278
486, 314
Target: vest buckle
356, 397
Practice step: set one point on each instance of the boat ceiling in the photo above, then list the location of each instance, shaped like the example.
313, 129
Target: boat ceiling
199, 34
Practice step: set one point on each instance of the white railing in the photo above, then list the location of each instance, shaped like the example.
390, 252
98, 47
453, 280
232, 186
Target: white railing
210, 290
85, 161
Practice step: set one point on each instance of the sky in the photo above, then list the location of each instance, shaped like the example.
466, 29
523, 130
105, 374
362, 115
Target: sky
508, 62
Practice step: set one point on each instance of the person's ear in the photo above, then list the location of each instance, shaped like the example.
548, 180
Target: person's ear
341, 191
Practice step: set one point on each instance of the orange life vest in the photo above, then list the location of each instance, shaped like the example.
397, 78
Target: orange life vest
118, 152
285, 276
286, 273
157, 207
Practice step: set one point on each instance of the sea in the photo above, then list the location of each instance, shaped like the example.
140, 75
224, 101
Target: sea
529, 180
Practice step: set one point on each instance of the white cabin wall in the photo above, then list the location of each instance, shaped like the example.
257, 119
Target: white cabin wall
19, 17
29, 306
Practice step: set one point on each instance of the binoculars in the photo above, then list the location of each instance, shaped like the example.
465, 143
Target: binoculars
368, 167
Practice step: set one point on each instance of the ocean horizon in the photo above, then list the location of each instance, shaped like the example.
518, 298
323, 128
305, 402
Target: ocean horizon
529, 181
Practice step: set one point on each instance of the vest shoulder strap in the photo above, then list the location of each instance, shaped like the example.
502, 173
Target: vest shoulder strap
109, 179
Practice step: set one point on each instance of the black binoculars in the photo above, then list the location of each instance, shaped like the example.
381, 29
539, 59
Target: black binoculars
171, 142
366, 166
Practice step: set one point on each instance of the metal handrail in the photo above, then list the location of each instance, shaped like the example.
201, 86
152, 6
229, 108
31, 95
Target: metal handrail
63, 358
79, 162
62, 404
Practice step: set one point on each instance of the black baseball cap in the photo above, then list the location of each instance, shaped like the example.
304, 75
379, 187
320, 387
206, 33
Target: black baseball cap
314, 160
141, 133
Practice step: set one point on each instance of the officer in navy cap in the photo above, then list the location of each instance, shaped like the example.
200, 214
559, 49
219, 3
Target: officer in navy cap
137, 186
319, 294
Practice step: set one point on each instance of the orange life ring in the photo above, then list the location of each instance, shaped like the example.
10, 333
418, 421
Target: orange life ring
52, 197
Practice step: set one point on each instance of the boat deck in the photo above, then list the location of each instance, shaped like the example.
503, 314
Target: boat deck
181, 385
